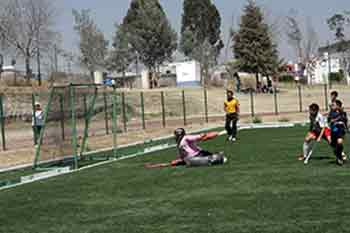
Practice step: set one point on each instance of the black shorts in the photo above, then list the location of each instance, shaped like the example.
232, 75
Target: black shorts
337, 133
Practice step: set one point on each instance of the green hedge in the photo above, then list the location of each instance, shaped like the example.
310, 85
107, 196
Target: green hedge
286, 78
337, 77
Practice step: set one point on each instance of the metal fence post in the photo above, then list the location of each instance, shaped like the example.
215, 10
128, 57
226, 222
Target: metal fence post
275, 100
124, 111
85, 105
300, 99
114, 121
252, 103
163, 108
326, 96
88, 116
206, 105
143, 110
184, 107
74, 125
35, 133
105, 102
2, 123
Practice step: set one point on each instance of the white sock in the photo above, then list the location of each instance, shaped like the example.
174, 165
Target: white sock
306, 148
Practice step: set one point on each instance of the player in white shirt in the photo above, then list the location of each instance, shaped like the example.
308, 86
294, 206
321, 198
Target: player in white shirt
318, 129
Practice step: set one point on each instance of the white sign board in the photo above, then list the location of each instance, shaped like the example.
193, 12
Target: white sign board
188, 73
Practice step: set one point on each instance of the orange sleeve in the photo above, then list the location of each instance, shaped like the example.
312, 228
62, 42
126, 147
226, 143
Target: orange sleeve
209, 136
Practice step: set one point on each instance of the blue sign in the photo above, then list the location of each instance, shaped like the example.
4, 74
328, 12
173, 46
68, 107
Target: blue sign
108, 82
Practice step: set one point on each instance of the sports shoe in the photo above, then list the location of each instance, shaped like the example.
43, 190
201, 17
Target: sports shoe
340, 162
229, 138
233, 139
301, 158
225, 160
344, 156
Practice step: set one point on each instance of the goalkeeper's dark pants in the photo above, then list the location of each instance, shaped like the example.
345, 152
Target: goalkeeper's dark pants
205, 159
231, 124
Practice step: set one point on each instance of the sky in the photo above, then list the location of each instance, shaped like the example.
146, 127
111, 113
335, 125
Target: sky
109, 12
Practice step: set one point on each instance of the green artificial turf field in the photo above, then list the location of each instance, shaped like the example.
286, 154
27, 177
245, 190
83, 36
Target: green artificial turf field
263, 188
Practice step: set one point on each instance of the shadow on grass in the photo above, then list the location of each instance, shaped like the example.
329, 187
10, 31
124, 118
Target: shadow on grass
322, 157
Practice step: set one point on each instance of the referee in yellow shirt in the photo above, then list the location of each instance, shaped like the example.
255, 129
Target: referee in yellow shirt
231, 107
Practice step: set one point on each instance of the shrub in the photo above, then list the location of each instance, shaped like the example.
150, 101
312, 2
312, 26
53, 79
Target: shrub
286, 78
337, 76
257, 120
284, 119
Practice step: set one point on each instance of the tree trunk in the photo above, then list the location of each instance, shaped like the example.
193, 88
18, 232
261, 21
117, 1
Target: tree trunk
257, 80
204, 71
92, 76
125, 82
39, 68
27, 63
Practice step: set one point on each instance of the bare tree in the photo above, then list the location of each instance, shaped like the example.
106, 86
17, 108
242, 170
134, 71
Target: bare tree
294, 35
274, 22
230, 32
303, 38
26, 26
93, 45
311, 41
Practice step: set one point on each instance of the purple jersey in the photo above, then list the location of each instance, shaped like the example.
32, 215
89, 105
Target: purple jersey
188, 146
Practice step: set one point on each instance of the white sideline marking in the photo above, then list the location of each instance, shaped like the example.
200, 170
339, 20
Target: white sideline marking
156, 148
46, 175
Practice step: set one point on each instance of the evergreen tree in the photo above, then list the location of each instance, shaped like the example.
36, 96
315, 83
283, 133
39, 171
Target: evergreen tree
201, 22
150, 33
200, 34
254, 50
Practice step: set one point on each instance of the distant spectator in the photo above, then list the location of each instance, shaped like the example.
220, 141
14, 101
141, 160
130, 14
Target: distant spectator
297, 79
37, 121
259, 87
269, 85
264, 88
238, 82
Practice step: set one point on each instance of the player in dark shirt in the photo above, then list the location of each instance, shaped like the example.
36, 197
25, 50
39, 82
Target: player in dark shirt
338, 122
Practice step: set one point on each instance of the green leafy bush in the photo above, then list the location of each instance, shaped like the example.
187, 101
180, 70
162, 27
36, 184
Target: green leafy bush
257, 120
286, 78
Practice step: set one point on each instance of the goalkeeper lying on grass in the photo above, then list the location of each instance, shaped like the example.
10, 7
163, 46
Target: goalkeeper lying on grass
190, 154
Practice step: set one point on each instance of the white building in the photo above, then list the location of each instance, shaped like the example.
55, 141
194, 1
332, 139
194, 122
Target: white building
318, 70
332, 58
188, 73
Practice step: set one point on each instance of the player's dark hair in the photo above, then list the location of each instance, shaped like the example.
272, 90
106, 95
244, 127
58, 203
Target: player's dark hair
339, 103
314, 107
179, 134
229, 92
334, 93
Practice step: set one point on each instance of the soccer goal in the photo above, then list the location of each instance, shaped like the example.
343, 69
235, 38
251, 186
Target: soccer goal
78, 119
